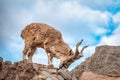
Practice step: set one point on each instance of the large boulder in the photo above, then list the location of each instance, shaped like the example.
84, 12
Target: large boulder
105, 61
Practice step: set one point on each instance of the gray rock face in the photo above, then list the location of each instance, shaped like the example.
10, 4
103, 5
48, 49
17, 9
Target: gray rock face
105, 61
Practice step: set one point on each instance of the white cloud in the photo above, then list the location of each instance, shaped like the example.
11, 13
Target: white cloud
113, 39
61, 13
15, 45
116, 18
100, 4
21, 19
67, 11
15, 22
85, 21
69, 39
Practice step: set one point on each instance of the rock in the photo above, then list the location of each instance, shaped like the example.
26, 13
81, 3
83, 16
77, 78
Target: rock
65, 74
60, 77
52, 71
48, 79
105, 61
73, 77
1, 62
104, 64
77, 71
5, 70
46, 74
93, 76
24, 70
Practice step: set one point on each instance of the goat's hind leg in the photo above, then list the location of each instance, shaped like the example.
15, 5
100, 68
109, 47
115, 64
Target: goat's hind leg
26, 48
30, 54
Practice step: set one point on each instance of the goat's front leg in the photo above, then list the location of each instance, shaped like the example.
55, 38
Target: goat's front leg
62, 62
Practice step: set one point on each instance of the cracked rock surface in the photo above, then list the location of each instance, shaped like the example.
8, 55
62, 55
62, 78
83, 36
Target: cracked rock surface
104, 62
32, 71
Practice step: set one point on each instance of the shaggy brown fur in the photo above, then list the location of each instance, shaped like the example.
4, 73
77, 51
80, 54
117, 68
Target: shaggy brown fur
46, 37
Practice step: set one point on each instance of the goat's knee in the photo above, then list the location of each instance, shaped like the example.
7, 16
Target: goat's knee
30, 54
26, 49
61, 63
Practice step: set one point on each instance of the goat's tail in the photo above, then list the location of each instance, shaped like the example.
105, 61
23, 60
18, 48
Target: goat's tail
22, 34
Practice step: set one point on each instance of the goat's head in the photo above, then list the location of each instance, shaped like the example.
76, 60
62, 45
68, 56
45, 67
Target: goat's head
73, 56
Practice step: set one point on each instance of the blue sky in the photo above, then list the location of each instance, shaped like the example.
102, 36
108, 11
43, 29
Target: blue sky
95, 21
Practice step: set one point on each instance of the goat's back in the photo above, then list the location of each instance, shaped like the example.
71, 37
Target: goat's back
42, 32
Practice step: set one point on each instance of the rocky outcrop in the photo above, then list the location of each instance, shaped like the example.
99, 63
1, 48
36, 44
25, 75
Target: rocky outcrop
104, 64
31, 71
105, 61
17, 71
93, 76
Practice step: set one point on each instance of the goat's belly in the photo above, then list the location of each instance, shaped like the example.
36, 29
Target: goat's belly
38, 44
58, 55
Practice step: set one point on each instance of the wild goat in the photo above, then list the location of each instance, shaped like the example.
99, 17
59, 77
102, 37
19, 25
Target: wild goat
46, 37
